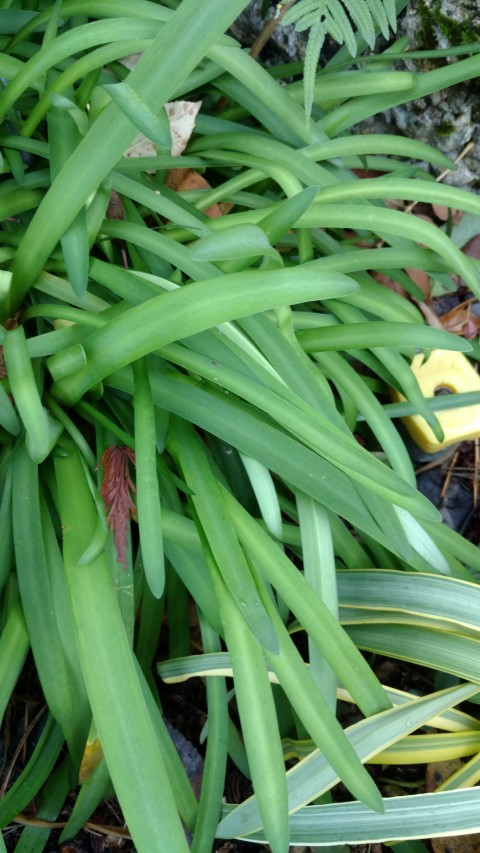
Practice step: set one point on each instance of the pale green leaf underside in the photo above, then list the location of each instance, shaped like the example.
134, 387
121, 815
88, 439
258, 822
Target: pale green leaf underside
419, 816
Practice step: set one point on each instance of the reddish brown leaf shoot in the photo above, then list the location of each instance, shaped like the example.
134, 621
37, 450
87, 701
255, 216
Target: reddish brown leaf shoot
117, 490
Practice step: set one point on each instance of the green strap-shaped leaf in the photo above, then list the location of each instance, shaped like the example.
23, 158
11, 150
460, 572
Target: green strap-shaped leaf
355, 110
124, 725
247, 430
380, 334
154, 126
52, 797
264, 488
307, 699
374, 143
213, 778
6, 531
148, 495
258, 718
63, 139
452, 813
192, 309
331, 640
218, 531
346, 378
320, 572
8, 416
239, 241
39, 604
405, 188
91, 793
41, 429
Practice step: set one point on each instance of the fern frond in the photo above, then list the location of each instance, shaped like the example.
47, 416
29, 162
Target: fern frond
337, 18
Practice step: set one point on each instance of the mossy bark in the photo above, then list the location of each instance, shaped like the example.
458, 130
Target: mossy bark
444, 20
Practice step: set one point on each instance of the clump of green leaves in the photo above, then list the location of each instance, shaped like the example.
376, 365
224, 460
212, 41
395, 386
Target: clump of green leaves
222, 353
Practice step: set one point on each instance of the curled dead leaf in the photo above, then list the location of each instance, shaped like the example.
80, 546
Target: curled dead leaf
461, 320
429, 315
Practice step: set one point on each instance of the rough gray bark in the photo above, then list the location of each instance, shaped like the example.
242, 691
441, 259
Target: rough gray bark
285, 44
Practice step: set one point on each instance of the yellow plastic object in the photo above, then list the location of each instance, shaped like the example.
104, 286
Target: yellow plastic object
444, 372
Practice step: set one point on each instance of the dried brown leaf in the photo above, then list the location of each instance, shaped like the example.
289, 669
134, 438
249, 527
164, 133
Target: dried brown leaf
181, 115
115, 209
429, 315
188, 179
